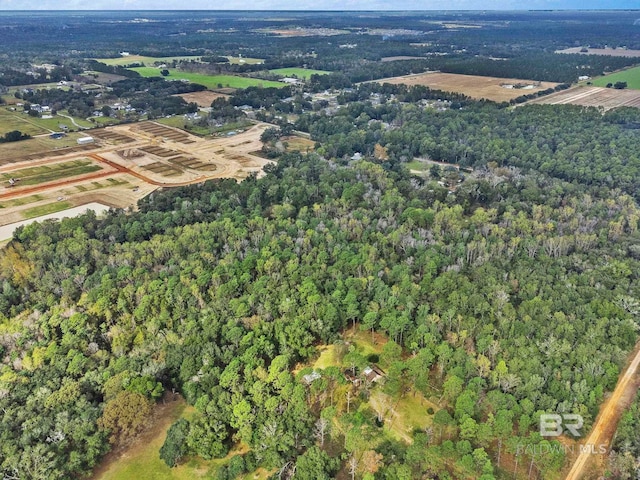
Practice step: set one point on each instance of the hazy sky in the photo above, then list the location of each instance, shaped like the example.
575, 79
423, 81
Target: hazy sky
314, 4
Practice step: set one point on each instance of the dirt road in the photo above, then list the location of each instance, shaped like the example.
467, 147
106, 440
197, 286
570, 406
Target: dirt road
604, 428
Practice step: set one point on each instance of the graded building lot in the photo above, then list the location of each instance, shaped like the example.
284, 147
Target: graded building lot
490, 88
606, 98
614, 52
126, 163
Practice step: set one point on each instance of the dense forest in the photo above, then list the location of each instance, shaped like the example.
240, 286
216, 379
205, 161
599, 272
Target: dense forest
501, 291
514, 302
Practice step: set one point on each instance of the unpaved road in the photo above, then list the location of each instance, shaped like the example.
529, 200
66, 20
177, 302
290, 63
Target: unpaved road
603, 431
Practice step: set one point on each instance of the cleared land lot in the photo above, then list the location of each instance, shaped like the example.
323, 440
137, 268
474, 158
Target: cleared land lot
209, 81
203, 99
593, 97
126, 163
304, 73
614, 52
491, 88
631, 76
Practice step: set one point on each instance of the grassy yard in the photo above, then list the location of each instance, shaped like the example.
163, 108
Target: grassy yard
403, 415
631, 76
36, 145
48, 173
304, 73
17, 120
45, 209
10, 120
209, 81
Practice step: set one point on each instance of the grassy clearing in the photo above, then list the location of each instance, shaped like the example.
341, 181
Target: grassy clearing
209, 81
245, 60
418, 165
142, 461
45, 209
18, 120
180, 122
402, 416
299, 144
304, 73
10, 120
131, 59
36, 145
631, 76
48, 173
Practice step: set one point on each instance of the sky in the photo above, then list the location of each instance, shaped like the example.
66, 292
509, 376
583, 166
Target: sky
315, 4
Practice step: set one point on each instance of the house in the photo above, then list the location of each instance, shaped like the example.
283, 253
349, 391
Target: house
372, 374
311, 377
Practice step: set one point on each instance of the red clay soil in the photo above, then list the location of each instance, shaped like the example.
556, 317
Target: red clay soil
589, 465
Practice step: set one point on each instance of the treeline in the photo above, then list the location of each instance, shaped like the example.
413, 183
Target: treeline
14, 136
550, 67
12, 77
96, 66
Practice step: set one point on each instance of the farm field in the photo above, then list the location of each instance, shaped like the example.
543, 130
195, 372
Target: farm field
631, 76
126, 163
203, 99
209, 81
614, 52
593, 97
490, 88
131, 59
304, 73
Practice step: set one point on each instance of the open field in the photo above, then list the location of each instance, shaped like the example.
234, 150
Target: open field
131, 59
18, 120
126, 163
403, 415
203, 99
304, 73
614, 52
631, 76
209, 81
141, 461
244, 60
491, 88
593, 97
